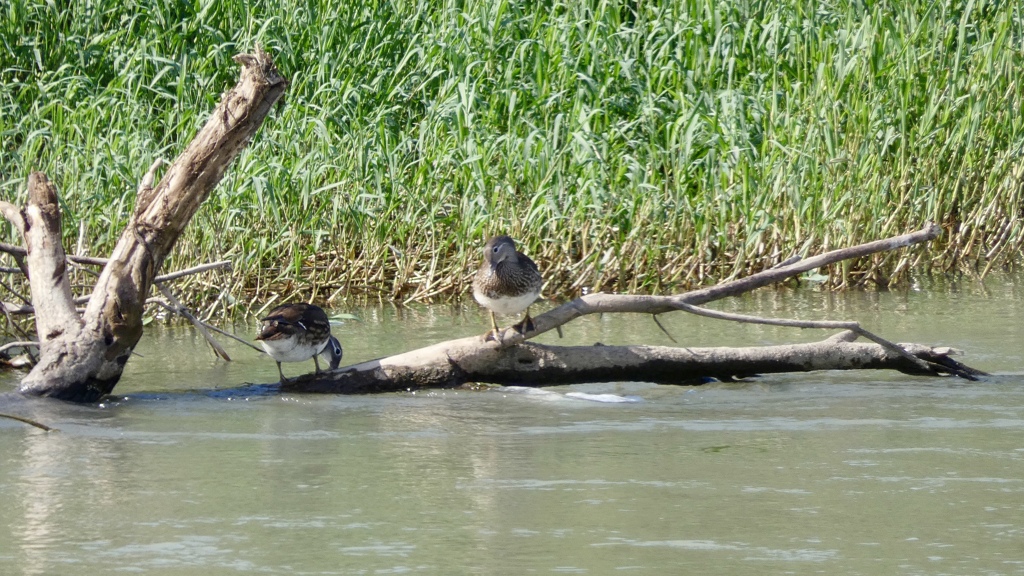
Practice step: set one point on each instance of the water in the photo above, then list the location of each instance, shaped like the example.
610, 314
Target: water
194, 468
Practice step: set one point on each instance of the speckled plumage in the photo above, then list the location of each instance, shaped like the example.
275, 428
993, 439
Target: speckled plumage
507, 282
298, 332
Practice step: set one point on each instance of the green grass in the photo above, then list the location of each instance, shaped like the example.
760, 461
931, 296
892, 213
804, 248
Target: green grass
631, 146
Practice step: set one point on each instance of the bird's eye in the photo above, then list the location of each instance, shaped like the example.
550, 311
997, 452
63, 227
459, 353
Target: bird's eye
495, 249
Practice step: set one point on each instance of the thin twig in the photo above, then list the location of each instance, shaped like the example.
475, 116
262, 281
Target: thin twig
658, 322
18, 343
28, 421
17, 328
19, 258
19, 251
230, 335
193, 270
12, 249
209, 326
179, 308
150, 177
23, 309
88, 271
16, 293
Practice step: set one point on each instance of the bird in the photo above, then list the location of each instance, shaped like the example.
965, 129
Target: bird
298, 332
507, 282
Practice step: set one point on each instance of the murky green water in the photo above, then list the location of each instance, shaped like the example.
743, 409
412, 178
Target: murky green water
189, 472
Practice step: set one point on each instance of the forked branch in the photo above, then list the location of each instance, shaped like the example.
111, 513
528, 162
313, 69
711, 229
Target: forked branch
601, 303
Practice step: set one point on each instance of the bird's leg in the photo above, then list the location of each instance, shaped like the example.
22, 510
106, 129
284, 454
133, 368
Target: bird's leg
316, 363
494, 333
526, 325
283, 379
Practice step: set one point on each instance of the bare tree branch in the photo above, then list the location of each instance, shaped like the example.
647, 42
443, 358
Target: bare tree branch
824, 324
601, 303
13, 215
193, 270
18, 344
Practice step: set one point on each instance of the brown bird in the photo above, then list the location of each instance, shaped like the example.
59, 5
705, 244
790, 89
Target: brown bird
507, 282
298, 332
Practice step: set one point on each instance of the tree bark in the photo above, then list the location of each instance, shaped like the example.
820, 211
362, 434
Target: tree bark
39, 224
82, 358
512, 360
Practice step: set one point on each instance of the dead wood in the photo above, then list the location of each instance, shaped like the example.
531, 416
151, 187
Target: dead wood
458, 362
514, 361
601, 303
177, 307
82, 356
17, 251
28, 421
18, 344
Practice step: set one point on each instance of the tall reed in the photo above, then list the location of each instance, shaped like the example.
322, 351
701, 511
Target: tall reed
632, 146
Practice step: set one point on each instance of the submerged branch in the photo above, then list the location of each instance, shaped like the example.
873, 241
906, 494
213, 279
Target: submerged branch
28, 421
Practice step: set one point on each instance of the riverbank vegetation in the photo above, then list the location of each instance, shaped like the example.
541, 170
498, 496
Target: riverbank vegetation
641, 147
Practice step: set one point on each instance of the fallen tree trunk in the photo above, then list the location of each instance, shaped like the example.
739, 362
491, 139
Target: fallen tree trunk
511, 360
463, 361
82, 357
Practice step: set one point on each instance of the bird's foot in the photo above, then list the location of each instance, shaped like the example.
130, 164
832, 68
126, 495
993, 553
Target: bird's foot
526, 325
495, 335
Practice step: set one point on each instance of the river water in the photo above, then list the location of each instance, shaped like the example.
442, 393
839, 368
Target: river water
195, 467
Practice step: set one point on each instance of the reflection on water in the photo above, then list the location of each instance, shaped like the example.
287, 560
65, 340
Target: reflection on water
198, 467
40, 504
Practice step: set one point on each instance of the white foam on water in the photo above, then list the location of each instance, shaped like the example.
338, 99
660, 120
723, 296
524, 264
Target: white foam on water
549, 395
607, 398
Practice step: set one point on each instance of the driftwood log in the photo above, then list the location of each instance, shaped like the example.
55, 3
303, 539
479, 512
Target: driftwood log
515, 361
82, 355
